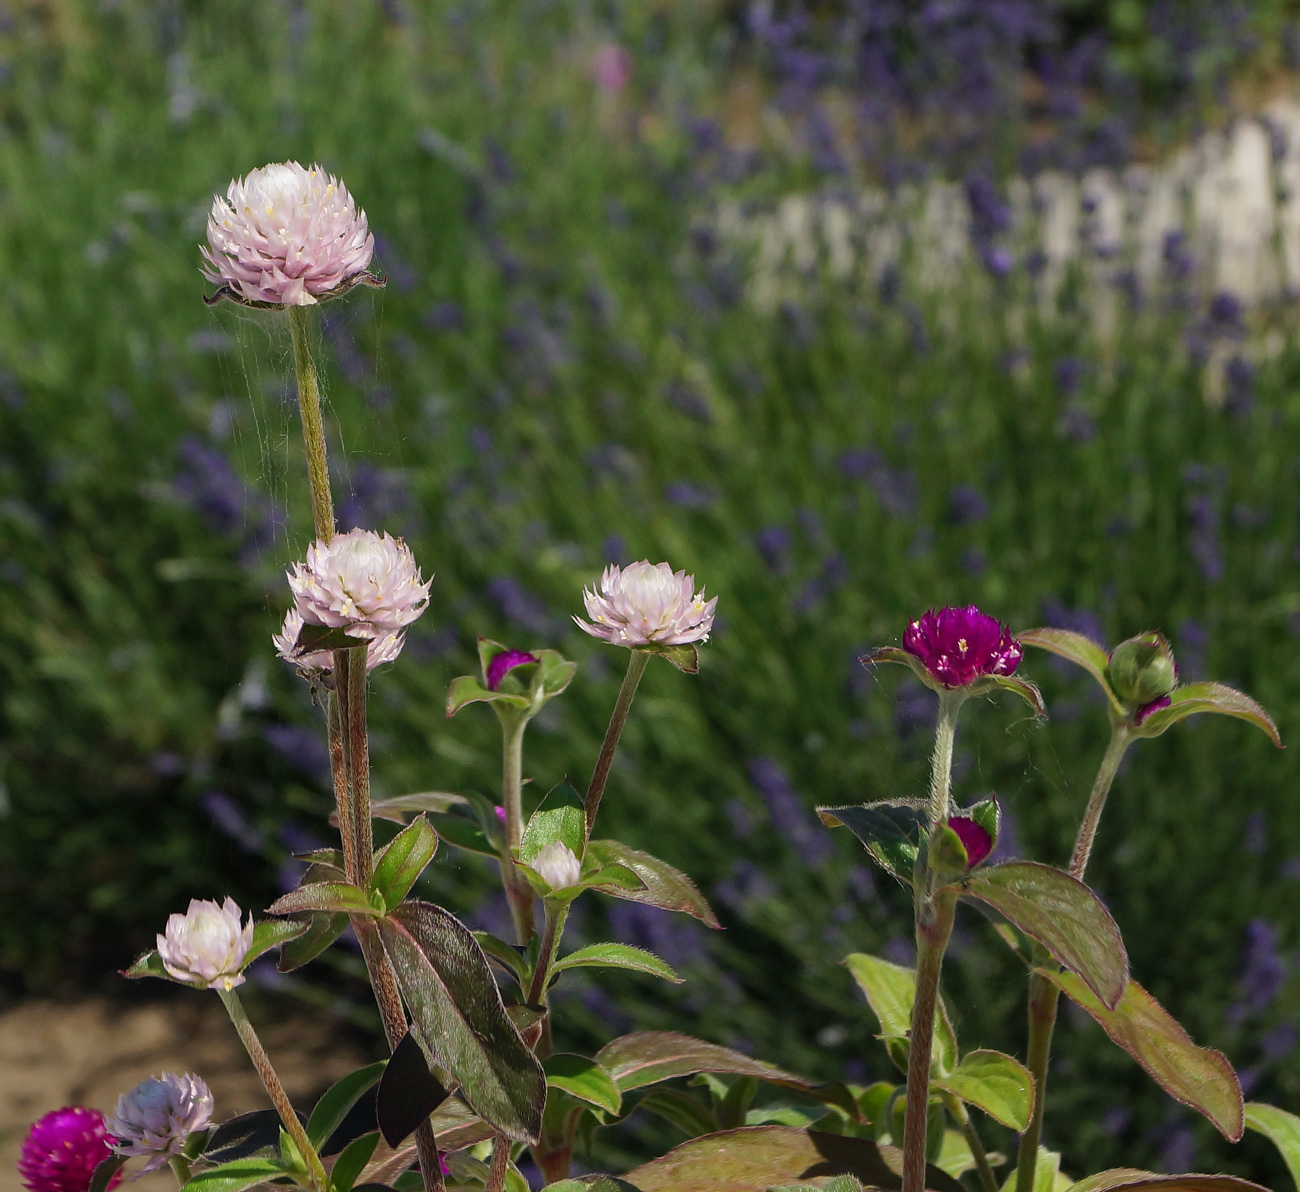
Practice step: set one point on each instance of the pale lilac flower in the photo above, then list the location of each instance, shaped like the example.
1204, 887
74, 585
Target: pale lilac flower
155, 1118
62, 1150
647, 603
557, 865
206, 945
286, 236
960, 645
379, 650
361, 582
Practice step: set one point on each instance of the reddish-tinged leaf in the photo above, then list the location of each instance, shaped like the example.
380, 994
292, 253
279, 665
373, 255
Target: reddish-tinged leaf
1196, 1076
341, 897
1062, 914
665, 887
1281, 1128
1076, 648
403, 860
1126, 1179
1209, 697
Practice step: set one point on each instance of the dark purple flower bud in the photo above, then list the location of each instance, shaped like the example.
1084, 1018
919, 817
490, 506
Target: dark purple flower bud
974, 839
960, 645
1154, 706
502, 664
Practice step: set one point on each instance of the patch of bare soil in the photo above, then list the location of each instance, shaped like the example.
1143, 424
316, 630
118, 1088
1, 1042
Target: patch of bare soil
89, 1052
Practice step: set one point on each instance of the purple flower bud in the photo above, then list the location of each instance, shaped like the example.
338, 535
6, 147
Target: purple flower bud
960, 645
62, 1150
975, 839
1154, 706
502, 664
155, 1118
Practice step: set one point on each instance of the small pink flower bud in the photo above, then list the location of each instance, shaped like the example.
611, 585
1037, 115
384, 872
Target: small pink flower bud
364, 583
960, 645
502, 664
647, 603
62, 1150
155, 1118
286, 236
206, 945
557, 865
974, 839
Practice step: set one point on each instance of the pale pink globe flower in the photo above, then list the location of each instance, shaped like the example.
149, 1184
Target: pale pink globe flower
155, 1118
62, 1150
364, 583
286, 236
206, 946
557, 865
311, 663
647, 604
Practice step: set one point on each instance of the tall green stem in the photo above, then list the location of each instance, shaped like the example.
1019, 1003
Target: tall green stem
636, 665
313, 427
1044, 996
275, 1090
336, 717
552, 930
945, 733
358, 755
519, 893
984, 1169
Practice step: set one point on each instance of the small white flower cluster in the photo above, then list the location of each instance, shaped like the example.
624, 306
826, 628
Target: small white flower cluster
155, 1118
647, 604
206, 946
557, 865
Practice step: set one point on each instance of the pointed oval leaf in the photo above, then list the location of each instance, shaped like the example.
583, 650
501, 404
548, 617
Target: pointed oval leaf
403, 860
236, 1176
681, 1109
665, 887
466, 689
1197, 1076
591, 1183
404, 808
903, 658
554, 673
1076, 648
408, 1091
1026, 690
1281, 1128
559, 817
1000, 1086
1063, 915
104, 1173
1047, 1173
243, 1136
1126, 1179
338, 1099
342, 897
323, 929
1208, 697
508, 956
148, 965
890, 990
684, 658
890, 830
622, 956
755, 1158
458, 1015
352, 1161
583, 1078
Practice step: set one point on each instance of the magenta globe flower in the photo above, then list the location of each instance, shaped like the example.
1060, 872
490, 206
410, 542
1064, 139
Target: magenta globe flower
957, 646
286, 236
62, 1150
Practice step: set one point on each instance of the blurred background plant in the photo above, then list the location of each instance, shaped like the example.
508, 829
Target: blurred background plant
568, 367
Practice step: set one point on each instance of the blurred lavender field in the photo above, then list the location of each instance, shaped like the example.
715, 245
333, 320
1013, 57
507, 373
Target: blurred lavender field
851, 309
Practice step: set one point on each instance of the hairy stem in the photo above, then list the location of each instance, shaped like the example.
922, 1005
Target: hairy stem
988, 1181
519, 893
945, 733
337, 718
496, 1180
1043, 998
313, 428
358, 755
1119, 740
555, 915
275, 1090
636, 665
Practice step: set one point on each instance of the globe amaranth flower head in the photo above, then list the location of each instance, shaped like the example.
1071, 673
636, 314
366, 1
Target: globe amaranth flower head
364, 583
155, 1118
557, 865
314, 663
959, 645
206, 946
62, 1150
647, 604
286, 236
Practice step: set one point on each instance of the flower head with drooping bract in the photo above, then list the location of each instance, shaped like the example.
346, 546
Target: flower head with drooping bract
364, 583
154, 1119
206, 946
286, 235
557, 865
313, 663
961, 645
647, 604
62, 1150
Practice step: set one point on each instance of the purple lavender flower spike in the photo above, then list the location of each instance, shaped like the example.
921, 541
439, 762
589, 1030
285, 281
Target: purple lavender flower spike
62, 1150
502, 664
959, 645
975, 839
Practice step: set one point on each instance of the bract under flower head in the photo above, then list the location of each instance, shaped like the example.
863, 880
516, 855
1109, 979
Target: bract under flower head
62, 1150
557, 865
311, 663
286, 236
364, 583
155, 1118
206, 945
647, 603
959, 645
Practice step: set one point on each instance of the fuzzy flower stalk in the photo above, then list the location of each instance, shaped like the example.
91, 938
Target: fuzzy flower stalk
62, 1150
155, 1119
650, 608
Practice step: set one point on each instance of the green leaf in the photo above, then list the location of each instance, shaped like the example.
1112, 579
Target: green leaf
1208, 697
1047, 1173
234, 1177
559, 817
466, 689
1281, 1128
334, 1104
665, 887
148, 965
458, 1014
507, 955
988, 814
554, 673
955, 1155
1062, 914
621, 956
271, 933
591, 1183
997, 1084
1076, 648
890, 990
341, 897
609, 879
322, 930
408, 1091
1026, 690
691, 1116
1124, 1179
404, 808
403, 860
754, 1158
321, 637
464, 833
352, 1161
583, 1078
841, 1183
891, 831
244, 1136
104, 1172
1197, 1076
684, 658
903, 658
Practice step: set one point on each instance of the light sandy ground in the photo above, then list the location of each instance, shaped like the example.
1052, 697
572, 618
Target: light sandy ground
88, 1052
